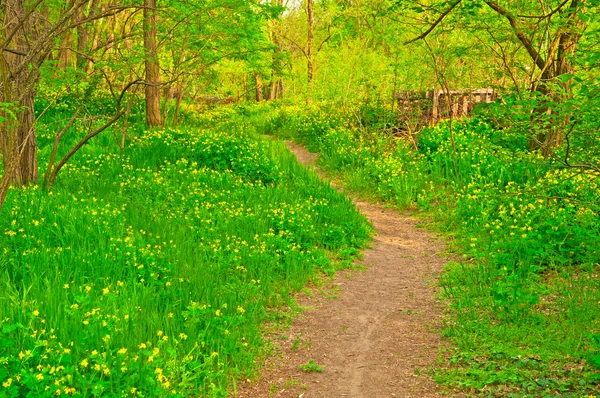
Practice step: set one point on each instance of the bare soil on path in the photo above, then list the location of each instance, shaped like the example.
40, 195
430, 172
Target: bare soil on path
379, 335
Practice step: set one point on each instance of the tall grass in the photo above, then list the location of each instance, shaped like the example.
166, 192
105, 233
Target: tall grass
523, 293
150, 272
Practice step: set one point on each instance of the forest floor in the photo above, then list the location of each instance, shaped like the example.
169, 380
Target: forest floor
374, 330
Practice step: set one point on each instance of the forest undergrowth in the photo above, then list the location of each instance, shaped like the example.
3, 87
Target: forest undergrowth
151, 271
522, 296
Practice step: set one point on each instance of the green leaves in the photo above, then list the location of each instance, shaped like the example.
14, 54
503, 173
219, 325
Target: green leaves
594, 359
7, 111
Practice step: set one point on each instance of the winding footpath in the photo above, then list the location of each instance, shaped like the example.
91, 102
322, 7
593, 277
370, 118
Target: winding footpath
379, 335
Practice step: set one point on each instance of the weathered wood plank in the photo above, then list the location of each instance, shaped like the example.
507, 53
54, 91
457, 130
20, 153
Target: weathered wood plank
418, 108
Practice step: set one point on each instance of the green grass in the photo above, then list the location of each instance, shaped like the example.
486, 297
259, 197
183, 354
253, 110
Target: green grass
523, 295
151, 272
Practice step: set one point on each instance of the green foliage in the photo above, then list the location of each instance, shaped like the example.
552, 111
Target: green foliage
524, 293
150, 272
7, 111
311, 367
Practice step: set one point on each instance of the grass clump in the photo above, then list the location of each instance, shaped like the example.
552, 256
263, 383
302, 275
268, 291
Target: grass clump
311, 367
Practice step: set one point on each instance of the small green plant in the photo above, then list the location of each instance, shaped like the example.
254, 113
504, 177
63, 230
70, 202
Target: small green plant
273, 388
311, 367
296, 344
291, 382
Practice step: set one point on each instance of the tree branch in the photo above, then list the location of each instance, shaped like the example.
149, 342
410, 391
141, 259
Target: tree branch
21, 53
533, 53
55, 146
296, 44
12, 34
435, 24
91, 135
550, 14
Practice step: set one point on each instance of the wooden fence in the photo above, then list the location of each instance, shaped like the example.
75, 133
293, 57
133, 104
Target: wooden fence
418, 108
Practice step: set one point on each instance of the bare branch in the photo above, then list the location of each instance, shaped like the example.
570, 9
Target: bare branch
435, 24
296, 44
12, 34
550, 14
505, 61
329, 35
55, 146
8, 50
535, 55
109, 12
91, 134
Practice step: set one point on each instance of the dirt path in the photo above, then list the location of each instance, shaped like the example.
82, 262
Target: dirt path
378, 337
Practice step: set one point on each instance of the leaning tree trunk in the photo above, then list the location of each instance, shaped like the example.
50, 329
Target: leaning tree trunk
153, 115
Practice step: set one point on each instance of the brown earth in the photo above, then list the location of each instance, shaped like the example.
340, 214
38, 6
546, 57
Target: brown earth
378, 337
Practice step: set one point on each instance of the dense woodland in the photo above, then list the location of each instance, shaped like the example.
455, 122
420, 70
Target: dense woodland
148, 229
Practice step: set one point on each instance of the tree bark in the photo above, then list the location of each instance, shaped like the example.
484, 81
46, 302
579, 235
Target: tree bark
310, 19
153, 116
274, 91
258, 87
561, 50
83, 34
178, 98
17, 136
66, 55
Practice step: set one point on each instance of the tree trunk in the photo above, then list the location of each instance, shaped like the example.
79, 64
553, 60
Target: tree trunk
17, 136
272, 92
83, 37
93, 34
277, 65
66, 55
178, 98
258, 87
153, 116
558, 63
310, 19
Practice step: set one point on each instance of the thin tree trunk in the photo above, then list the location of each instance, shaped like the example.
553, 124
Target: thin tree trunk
258, 87
274, 91
179, 97
66, 57
310, 19
153, 116
83, 33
